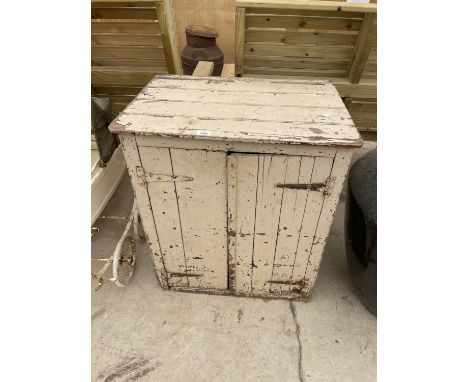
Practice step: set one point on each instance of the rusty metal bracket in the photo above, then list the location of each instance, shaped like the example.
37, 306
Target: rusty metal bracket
302, 186
182, 274
149, 177
326, 187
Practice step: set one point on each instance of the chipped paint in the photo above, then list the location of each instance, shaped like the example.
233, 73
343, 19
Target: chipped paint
247, 210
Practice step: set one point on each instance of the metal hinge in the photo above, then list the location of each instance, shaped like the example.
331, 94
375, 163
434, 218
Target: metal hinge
182, 274
326, 187
145, 177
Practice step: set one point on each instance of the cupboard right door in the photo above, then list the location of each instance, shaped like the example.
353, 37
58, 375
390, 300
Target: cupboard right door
274, 206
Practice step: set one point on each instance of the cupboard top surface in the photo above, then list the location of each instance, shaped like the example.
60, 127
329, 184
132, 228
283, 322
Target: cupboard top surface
308, 112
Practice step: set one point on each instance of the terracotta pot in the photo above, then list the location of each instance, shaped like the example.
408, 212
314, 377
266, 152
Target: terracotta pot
201, 46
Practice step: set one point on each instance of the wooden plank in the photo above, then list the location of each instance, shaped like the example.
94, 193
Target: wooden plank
303, 12
132, 157
363, 47
117, 98
168, 35
288, 116
203, 69
361, 105
203, 214
108, 75
125, 26
126, 39
369, 135
233, 146
116, 90
363, 115
301, 23
294, 72
246, 85
371, 65
339, 172
367, 88
244, 170
248, 98
272, 170
108, 51
119, 107
239, 36
228, 70
271, 49
366, 125
232, 219
126, 3
369, 75
155, 64
313, 206
299, 37
289, 225
317, 5
171, 33
295, 63
165, 207
299, 123
132, 13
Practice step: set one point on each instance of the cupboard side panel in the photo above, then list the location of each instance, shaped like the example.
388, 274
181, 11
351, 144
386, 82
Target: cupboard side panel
203, 215
157, 161
132, 158
338, 173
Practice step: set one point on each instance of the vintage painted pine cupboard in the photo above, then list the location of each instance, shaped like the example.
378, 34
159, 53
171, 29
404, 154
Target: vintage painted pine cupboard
237, 180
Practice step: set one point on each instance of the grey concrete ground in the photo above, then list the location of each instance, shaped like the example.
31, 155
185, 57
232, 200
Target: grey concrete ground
145, 333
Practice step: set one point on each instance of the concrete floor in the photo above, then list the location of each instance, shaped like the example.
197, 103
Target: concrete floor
145, 333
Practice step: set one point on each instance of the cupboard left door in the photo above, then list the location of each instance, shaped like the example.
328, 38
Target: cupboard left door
187, 191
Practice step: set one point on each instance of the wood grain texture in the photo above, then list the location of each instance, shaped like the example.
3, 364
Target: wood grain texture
165, 207
131, 42
121, 75
256, 122
203, 69
309, 5
240, 37
203, 206
168, 35
126, 39
313, 208
301, 23
243, 203
298, 37
291, 223
303, 39
363, 47
132, 158
272, 170
233, 146
229, 70
303, 51
338, 173
125, 26
304, 12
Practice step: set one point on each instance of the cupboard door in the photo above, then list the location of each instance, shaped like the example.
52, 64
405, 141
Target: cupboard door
187, 191
275, 203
